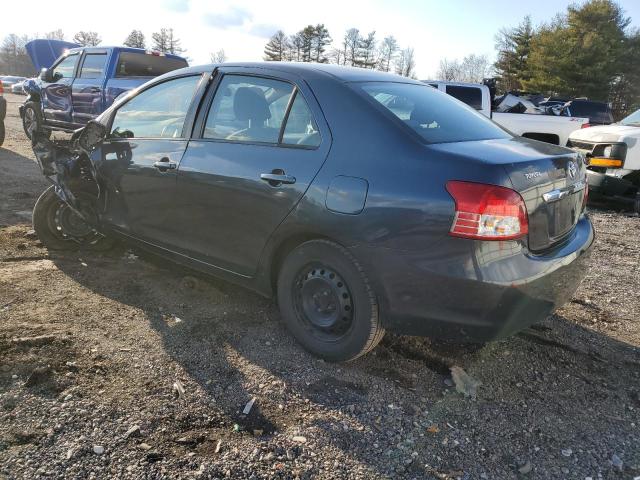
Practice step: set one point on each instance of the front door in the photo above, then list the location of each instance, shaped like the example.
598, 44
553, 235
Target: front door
255, 152
57, 93
140, 158
87, 96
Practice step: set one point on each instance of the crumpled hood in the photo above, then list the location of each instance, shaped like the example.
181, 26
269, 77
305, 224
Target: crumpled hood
605, 133
44, 52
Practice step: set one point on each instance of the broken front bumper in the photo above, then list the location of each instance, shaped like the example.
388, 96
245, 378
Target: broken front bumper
618, 188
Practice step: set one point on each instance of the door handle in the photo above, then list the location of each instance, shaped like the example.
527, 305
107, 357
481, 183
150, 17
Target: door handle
94, 90
277, 178
165, 164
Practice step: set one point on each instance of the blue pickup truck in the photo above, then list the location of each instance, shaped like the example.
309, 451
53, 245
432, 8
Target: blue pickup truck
76, 84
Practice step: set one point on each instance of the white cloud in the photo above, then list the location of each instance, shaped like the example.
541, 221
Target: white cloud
233, 17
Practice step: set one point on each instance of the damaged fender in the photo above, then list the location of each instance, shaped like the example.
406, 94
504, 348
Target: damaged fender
66, 162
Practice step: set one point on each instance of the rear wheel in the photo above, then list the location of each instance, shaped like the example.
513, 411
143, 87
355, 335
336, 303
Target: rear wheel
60, 228
327, 303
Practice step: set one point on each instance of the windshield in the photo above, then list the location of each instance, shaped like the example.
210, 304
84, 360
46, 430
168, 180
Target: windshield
632, 120
434, 115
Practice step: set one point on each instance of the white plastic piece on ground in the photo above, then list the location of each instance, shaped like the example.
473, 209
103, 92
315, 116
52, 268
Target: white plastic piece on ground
465, 383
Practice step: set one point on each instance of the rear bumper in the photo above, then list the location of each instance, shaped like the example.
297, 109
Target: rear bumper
476, 291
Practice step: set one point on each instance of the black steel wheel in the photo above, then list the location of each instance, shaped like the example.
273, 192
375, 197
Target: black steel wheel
327, 302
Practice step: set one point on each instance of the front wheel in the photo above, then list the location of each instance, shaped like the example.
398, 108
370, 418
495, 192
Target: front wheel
60, 228
32, 120
327, 302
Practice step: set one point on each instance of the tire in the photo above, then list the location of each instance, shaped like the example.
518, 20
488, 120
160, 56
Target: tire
2, 132
46, 223
32, 120
327, 303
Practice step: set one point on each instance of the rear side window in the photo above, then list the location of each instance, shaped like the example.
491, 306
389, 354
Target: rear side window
158, 112
301, 128
93, 65
469, 95
66, 67
432, 114
133, 64
248, 109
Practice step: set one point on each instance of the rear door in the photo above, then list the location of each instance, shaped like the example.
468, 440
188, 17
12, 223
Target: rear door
57, 93
148, 137
258, 144
87, 93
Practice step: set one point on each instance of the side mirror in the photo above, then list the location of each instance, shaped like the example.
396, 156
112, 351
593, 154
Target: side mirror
45, 75
91, 135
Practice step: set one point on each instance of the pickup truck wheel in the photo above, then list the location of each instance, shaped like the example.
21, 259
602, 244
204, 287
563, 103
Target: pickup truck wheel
32, 120
59, 228
327, 303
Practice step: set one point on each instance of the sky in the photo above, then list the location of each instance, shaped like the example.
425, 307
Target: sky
435, 29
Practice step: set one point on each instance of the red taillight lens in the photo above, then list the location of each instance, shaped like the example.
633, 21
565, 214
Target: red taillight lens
487, 212
585, 125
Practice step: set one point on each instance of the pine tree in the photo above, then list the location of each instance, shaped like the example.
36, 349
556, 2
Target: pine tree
388, 52
166, 42
321, 39
366, 49
277, 48
135, 39
513, 46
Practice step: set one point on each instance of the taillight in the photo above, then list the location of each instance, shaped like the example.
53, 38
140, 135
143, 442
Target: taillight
585, 125
487, 212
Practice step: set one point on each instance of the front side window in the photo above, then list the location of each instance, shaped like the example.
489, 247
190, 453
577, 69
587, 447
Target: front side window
632, 120
432, 114
248, 109
158, 112
66, 67
470, 95
93, 65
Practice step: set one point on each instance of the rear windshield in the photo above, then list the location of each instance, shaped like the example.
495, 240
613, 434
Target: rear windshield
435, 116
596, 112
472, 96
131, 64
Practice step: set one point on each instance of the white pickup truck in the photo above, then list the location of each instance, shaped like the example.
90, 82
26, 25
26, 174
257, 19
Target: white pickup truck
613, 156
547, 128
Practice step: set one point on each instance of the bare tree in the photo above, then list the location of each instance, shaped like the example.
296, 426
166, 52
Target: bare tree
388, 52
135, 39
13, 56
473, 68
219, 56
366, 52
54, 35
87, 39
350, 44
406, 63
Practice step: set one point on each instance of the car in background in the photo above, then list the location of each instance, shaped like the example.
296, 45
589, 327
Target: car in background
10, 80
84, 81
598, 113
363, 200
18, 88
613, 157
546, 128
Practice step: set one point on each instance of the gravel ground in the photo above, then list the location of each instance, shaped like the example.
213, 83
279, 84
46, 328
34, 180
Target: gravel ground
124, 366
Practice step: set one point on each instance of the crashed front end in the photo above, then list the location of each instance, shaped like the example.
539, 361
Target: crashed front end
67, 165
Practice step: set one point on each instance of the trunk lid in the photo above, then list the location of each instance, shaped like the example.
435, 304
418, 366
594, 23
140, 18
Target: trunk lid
550, 179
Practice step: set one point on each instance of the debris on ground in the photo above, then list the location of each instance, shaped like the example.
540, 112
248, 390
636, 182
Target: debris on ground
178, 389
465, 383
248, 406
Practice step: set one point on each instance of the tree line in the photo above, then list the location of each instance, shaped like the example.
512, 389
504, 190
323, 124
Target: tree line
15, 61
588, 51
314, 44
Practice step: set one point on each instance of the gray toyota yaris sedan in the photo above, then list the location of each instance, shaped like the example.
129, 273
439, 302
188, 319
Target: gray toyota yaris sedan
364, 201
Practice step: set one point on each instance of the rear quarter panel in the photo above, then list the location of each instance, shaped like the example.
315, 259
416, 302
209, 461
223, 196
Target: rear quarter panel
520, 124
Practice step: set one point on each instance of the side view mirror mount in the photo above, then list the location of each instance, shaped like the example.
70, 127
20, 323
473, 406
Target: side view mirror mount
45, 75
91, 135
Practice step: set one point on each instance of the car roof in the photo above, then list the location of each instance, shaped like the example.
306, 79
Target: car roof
338, 72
